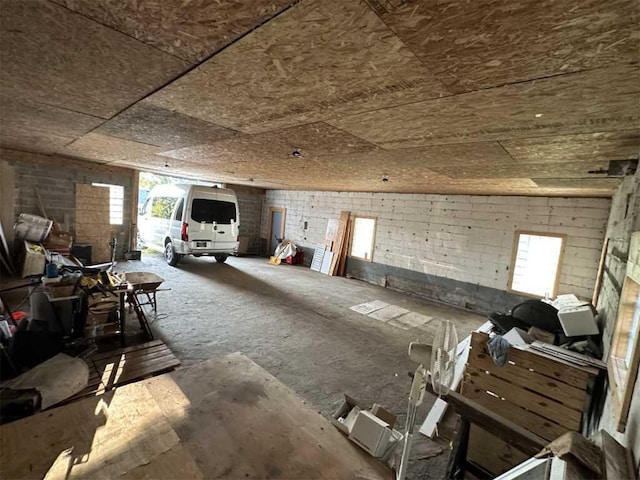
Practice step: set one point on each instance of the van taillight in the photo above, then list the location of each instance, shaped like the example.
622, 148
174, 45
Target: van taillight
184, 232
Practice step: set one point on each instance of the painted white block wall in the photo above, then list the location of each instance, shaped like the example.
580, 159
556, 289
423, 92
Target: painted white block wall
461, 237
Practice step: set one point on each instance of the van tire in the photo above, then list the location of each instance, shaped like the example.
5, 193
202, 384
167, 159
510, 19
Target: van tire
221, 258
170, 255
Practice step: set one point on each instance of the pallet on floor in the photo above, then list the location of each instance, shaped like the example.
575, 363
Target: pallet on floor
108, 370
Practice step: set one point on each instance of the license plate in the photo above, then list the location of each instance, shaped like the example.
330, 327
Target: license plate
201, 244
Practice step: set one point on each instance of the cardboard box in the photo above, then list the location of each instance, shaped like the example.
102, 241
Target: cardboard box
34, 260
342, 411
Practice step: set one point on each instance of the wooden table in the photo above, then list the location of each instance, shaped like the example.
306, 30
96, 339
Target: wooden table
226, 418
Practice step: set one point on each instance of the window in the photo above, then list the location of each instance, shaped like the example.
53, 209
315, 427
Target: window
116, 202
162, 207
363, 238
535, 269
209, 211
625, 350
179, 209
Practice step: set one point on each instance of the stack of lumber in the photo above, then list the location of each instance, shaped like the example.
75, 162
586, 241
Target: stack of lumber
330, 257
542, 393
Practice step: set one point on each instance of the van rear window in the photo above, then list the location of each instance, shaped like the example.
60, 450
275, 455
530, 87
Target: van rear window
209, 211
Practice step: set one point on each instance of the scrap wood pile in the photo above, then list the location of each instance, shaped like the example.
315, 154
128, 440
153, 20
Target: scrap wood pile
330, 256
537, 367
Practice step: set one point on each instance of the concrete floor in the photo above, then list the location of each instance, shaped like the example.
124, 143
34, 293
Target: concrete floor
297, 324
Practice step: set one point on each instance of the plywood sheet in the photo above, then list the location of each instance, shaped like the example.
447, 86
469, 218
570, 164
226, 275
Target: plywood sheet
237, 421
579, 183
99, 437
190, 30
599, 146
52, 55
592, 101
488, 170
492, 42
104, 148
151, 125
92, 222
318, 57
491, 453
31, 126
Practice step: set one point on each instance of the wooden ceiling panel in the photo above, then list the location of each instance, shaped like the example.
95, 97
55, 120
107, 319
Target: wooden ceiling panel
599, 146
593, 101
488, 170
152, 125
487, 43
54, 56
35, 127
567, 184
318, 58
102, 148
191, 30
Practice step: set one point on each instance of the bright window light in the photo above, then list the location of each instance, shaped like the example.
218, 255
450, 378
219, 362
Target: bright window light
116, 202
364, 229
536, 265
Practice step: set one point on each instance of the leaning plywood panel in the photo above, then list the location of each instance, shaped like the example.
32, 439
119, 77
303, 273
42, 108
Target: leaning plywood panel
92, 220
237, 421
52, 55
495, 43
603, 99
318, 57
190, 30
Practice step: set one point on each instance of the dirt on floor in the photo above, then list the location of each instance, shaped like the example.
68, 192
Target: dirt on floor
297, 324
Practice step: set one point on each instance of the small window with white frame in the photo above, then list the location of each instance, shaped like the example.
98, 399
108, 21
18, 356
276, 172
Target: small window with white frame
535, 267
116, 202
363, 238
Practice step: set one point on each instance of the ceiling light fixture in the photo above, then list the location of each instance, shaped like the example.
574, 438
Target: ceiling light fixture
166, 164
385, 178
296, 153
538, 115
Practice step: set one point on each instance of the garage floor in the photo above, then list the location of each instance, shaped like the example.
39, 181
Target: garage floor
297, 324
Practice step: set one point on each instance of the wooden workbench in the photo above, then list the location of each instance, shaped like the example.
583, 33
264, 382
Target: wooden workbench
226, 418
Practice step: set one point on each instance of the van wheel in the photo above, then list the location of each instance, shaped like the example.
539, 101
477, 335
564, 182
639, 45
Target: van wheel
170, 255
221, 258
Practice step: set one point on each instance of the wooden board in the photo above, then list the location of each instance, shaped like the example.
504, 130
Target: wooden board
121, 366
601, 100
103, 148
319, 58
189, 30
106, 436
494, 43
599, 146
491, 453
579, 183
339, 243
144, 123
92, 223
559, 170
237, 420
30, 126
555, 369
52, 55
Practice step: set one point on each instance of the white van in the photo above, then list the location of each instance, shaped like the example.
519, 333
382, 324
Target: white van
190, 220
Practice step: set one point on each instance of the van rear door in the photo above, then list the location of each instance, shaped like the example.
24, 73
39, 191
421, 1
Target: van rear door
212, 224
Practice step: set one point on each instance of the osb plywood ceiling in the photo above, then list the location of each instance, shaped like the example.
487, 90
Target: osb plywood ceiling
523, 97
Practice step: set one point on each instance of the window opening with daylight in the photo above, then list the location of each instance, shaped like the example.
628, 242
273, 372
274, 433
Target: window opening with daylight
116, 202
363, 239
535, 268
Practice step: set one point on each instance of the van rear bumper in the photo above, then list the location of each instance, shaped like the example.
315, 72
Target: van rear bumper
185, 248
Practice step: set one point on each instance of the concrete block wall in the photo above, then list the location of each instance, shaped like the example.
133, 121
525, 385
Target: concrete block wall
460, 237
623, 222
55, 184
250, 202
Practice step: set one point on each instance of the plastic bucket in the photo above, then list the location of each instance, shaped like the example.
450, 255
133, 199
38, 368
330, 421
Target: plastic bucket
32, 228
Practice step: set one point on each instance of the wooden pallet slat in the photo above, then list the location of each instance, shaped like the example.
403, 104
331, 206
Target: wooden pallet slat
533, 402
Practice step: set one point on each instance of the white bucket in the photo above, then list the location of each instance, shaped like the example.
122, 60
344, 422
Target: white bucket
32, 228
